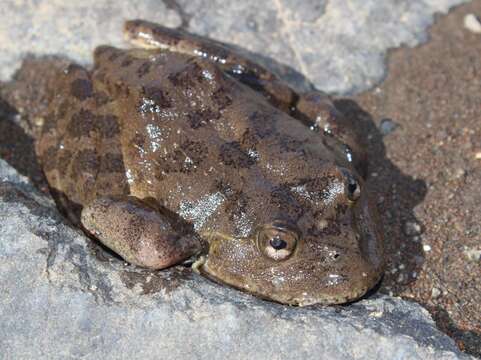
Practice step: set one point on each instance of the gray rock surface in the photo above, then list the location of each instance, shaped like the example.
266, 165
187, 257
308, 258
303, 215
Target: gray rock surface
339, 45
64, 297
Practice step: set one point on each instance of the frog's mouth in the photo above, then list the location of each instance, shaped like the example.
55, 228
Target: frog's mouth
305, 298
198, 263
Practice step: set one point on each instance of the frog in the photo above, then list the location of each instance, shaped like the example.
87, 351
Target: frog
182, 149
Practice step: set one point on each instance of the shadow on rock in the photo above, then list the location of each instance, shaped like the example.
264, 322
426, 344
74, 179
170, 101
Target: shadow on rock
16, 147
397, 194
467, 341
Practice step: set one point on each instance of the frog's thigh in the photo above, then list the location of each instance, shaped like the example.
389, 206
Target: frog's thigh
151, 35
137, 232
317, 109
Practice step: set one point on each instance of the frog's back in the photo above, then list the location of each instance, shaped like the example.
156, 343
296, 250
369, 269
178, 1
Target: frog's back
204, 144
177, 129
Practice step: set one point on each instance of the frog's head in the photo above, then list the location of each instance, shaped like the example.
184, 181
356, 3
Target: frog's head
330, 252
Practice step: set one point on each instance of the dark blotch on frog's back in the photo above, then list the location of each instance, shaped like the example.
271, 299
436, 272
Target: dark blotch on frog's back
199, 118
190, 76
85, 123
282, 197
157, 95
187, 159
108, 126
85, 161
263, 123
221, 99
231, 154
144, 69
81, 89
112, 163
114, 55
82, 123
127, 61
289, 144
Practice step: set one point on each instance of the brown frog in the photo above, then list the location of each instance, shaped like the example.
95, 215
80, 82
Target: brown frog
182, 148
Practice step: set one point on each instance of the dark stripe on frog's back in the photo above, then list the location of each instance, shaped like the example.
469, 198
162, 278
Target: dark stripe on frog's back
77, 140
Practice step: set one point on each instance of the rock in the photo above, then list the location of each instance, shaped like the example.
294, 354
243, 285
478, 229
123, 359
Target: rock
472, 23
435, 292
412, 228
473, 254
65, 297
338, 45
387, 126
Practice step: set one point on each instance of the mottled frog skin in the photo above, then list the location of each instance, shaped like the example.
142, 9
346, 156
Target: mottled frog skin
180, 148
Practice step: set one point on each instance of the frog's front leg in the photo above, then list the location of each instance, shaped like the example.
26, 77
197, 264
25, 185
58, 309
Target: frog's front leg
139, 233
150, 35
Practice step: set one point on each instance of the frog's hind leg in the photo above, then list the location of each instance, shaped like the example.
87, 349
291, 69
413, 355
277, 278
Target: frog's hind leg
149, 35
140, 233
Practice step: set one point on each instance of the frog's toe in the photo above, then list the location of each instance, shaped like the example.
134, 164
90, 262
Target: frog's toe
140, 234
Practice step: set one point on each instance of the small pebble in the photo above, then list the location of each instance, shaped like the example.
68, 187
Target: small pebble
427, 248
477, 156
473, 254
435, 292
412, 228
387, 126
459, 173
472, 23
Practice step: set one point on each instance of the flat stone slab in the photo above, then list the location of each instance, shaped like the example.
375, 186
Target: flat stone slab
65, 297
338, 45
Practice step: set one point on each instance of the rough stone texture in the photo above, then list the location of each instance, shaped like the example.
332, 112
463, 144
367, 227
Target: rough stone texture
65, 297
338, 45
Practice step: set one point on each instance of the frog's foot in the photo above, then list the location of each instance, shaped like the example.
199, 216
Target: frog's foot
153, 36
317, 111
139, 233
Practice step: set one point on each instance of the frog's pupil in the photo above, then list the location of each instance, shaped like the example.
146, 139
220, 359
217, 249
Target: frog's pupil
277, 243
351, 187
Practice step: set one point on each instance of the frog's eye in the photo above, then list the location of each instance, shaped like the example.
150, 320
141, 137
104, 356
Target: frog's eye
277, 243
353, 189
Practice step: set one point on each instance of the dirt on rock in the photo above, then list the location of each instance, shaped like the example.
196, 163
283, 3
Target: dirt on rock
428, 111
